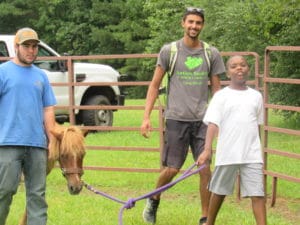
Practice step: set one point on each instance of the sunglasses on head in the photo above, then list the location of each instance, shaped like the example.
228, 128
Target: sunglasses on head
195, 10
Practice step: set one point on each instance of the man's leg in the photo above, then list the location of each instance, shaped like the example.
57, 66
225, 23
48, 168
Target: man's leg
165, 177
214, 207
173, 157
150, 211
259, 210
10, 172
35, 182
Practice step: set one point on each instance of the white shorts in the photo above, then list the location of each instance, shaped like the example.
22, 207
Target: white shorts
251, 179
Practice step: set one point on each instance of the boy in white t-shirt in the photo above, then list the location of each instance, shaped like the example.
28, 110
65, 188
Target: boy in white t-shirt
234, 115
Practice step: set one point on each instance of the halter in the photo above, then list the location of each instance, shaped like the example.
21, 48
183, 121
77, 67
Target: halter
68, 171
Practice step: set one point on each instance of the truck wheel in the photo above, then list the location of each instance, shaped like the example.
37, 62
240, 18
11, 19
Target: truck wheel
101, 117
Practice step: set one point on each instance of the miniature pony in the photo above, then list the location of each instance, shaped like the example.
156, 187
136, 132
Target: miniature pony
67, 148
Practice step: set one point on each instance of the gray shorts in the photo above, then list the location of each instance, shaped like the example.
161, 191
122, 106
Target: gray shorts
251, 179
179, 136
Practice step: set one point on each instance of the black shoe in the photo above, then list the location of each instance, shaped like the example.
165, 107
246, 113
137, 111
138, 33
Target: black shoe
202, 220
150, 210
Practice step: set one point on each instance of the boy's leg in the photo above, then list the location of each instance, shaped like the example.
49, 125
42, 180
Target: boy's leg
197, 143
259, 210
221, 184
214, 207
205, 175
252, 186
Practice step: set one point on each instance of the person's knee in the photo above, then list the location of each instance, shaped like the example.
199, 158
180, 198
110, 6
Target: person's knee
171, 172
258, 199
8, 189
205, 172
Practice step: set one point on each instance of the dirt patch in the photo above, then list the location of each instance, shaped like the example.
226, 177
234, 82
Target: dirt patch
287, 208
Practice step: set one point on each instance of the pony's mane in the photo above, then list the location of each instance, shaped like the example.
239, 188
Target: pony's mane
72, 141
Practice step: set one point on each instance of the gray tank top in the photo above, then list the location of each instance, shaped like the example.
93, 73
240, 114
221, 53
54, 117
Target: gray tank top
188, 86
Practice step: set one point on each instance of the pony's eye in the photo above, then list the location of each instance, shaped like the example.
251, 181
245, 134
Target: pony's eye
64, 156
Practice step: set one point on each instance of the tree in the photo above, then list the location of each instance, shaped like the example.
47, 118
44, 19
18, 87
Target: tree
15, 14
90, 27
240, 25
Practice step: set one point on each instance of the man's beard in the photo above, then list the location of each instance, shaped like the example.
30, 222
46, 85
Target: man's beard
193, 37
24, 61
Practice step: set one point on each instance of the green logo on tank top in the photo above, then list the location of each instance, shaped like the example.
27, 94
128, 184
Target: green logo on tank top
193, 62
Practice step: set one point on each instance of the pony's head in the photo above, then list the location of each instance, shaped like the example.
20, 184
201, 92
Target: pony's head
70, 151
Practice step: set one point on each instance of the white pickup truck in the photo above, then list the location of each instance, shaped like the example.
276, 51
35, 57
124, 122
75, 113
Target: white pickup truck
84, 95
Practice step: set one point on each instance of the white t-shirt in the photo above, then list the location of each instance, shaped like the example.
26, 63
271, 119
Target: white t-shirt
237, 113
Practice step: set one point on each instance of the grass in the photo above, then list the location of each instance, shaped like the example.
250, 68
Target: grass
180, 204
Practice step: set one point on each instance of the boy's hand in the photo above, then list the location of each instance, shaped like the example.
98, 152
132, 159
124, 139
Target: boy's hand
204, 157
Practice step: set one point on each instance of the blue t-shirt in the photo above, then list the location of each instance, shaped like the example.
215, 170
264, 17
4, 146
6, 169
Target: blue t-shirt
24, 92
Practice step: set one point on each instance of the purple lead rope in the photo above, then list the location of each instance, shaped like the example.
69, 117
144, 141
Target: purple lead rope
131, 202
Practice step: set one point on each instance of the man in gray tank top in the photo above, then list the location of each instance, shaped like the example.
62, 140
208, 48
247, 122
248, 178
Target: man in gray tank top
187, 96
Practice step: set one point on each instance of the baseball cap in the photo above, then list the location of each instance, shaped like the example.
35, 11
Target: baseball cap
26, 34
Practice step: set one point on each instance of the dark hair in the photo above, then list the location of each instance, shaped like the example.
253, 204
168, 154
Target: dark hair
235, 56
193, 11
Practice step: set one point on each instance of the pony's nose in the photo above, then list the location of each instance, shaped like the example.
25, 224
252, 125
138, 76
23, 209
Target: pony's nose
74, 190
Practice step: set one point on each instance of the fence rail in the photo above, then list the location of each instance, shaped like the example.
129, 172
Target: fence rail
267, 79
261, 82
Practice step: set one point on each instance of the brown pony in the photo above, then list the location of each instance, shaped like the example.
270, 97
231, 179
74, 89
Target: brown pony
68, 149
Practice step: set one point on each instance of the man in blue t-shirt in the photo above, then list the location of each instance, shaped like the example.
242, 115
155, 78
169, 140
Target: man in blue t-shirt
26, 118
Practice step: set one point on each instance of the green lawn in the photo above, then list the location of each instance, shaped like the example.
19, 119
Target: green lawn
179, 205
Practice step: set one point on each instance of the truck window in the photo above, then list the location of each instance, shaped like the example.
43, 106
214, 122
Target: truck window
3, 51
50, 65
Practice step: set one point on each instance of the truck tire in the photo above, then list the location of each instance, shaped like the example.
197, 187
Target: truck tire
101, 117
